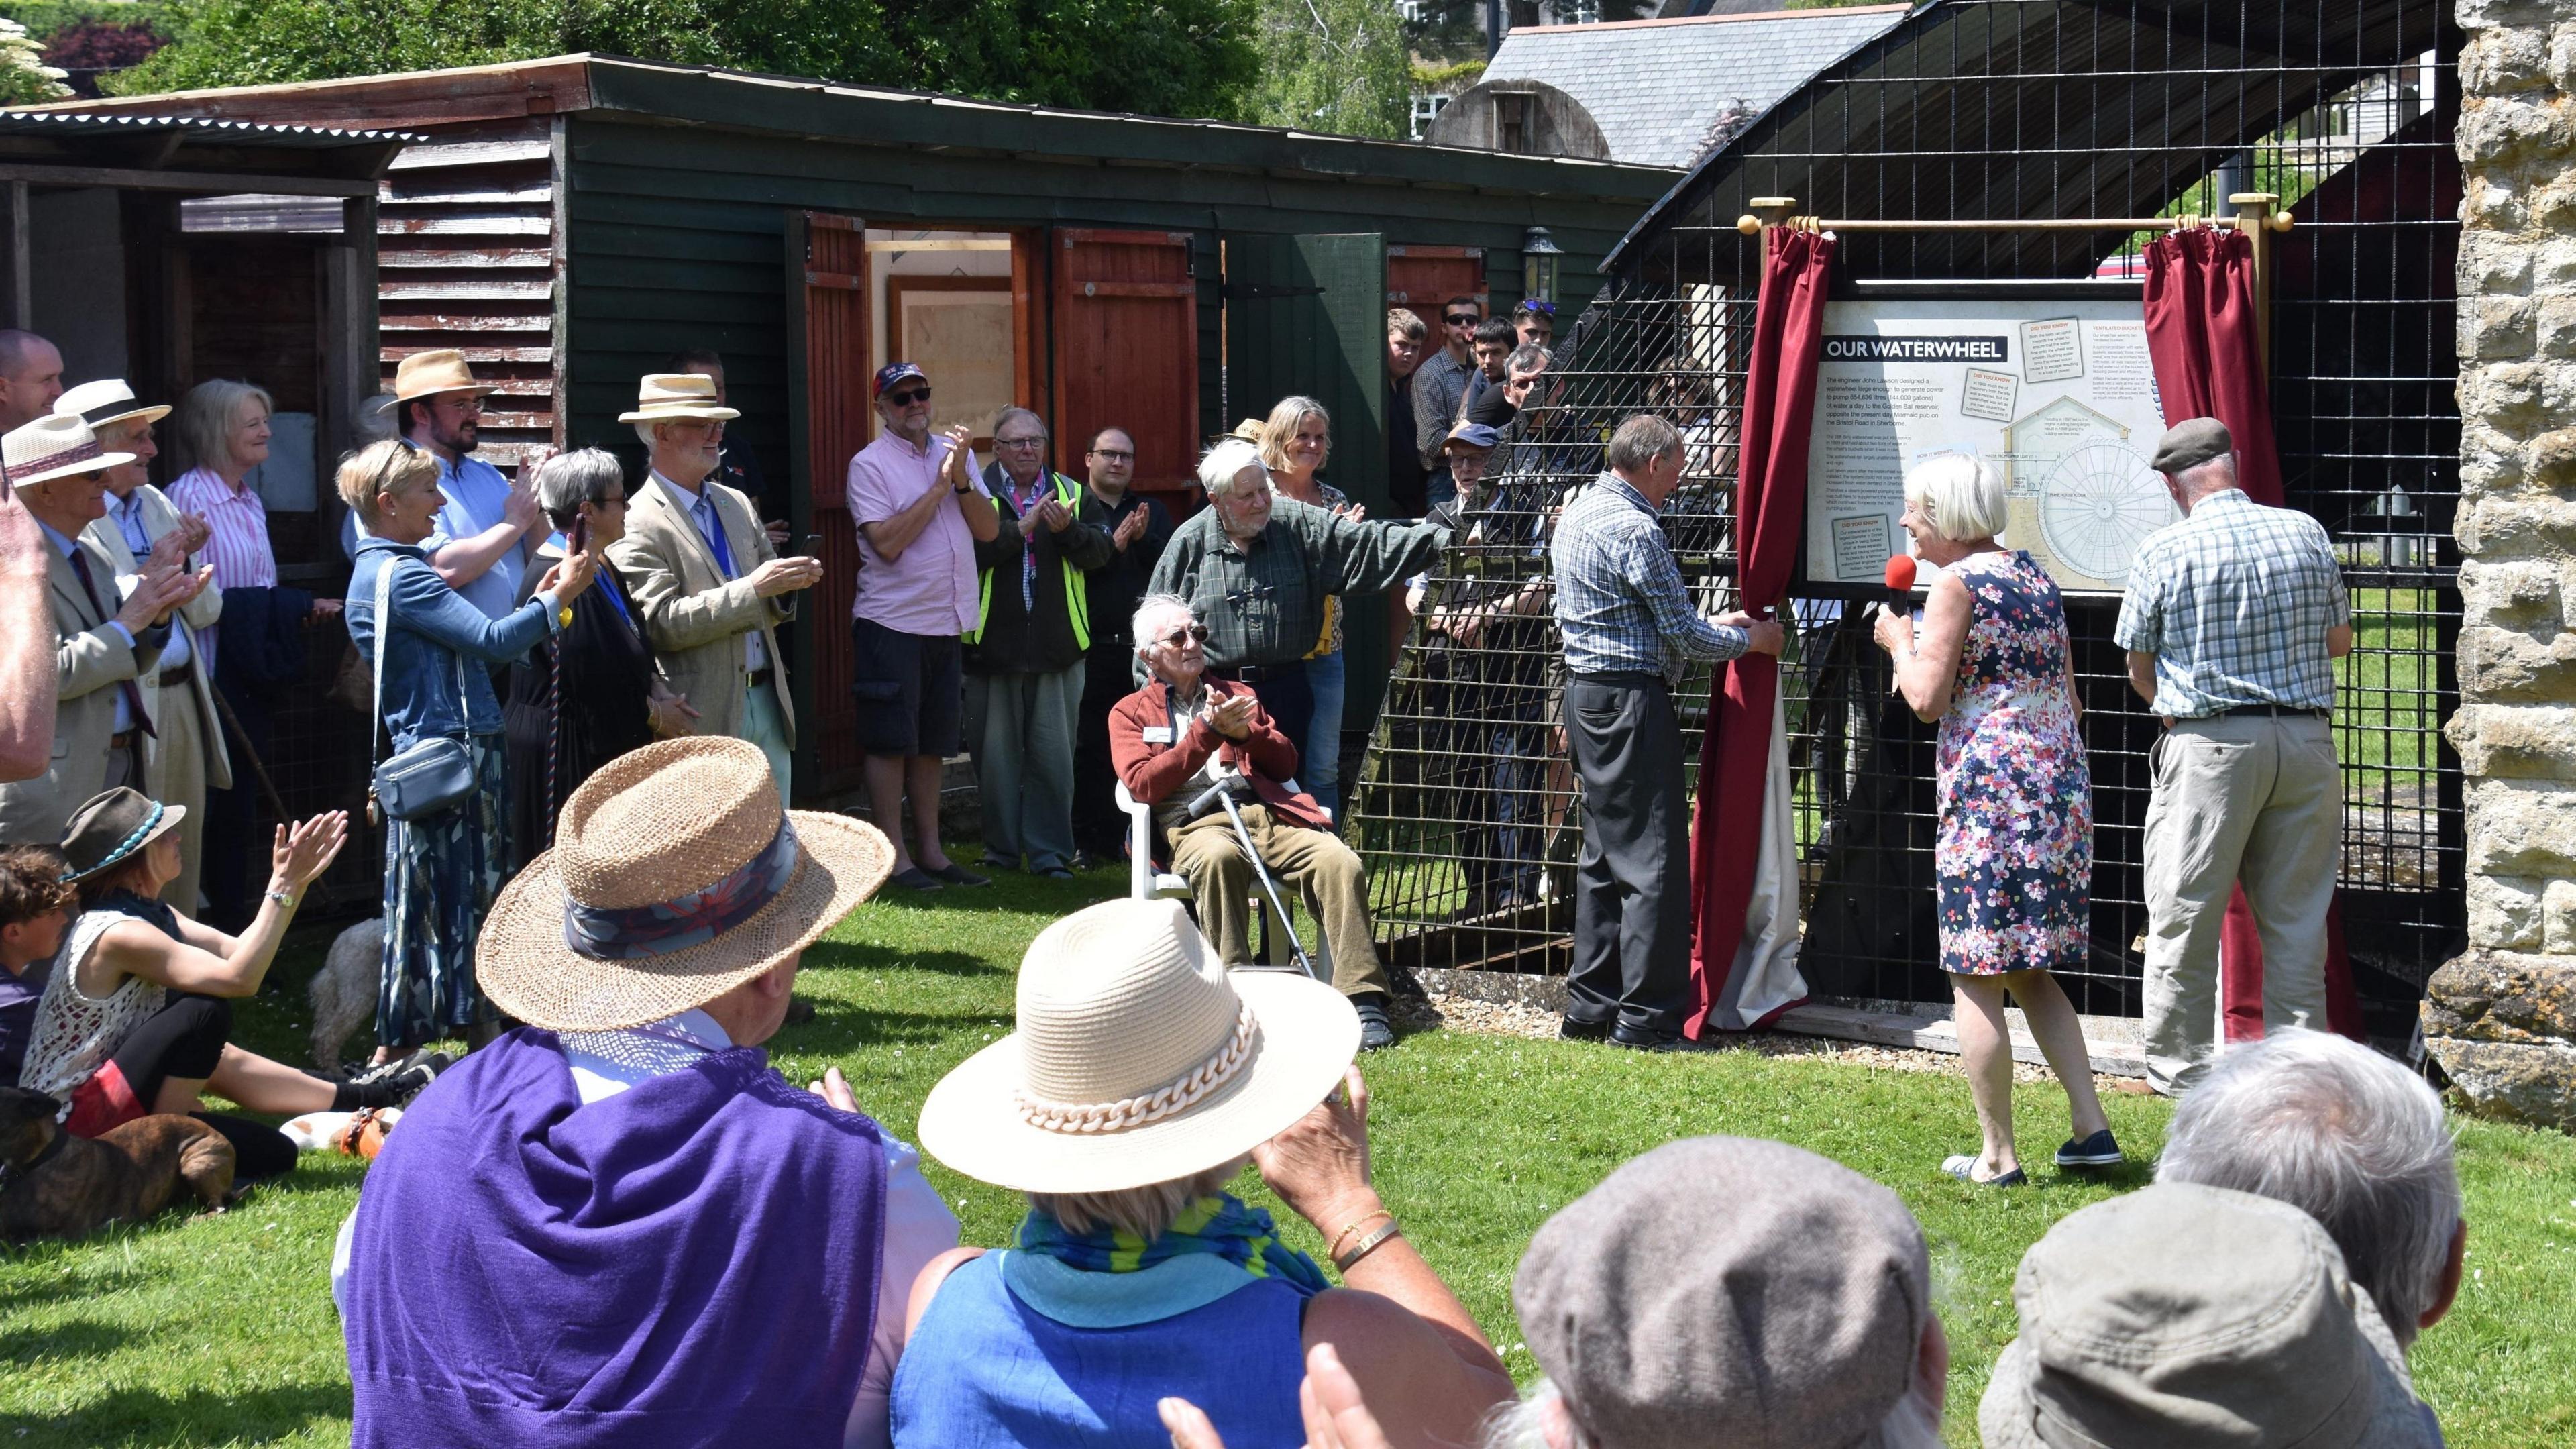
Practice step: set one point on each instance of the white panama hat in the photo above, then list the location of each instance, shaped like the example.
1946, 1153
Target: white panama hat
670, 396
108, 400
56, 445
1139, 1059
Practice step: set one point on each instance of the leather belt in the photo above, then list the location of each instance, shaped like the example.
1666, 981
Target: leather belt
123, 739
2277, 711
172, 678
1256, 673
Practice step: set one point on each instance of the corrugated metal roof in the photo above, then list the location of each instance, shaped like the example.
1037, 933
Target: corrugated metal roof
1655, 86
69, 124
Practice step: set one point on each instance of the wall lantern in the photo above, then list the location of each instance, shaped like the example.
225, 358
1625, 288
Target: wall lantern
1539, 260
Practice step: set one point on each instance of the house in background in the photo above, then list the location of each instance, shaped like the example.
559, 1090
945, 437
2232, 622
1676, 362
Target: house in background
1657, 92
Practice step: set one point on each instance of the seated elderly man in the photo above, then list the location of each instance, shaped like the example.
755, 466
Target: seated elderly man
618, 1225
1186, 731
2347, 1136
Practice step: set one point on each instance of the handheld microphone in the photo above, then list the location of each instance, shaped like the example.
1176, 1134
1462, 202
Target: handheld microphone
1900, 576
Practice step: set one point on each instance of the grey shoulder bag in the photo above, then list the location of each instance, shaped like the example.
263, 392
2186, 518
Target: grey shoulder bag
435, 774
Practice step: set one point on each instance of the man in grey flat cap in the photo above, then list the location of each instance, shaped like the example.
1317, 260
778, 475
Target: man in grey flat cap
2233, 620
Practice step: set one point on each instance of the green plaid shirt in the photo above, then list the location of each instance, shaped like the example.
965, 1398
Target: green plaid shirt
1265, 605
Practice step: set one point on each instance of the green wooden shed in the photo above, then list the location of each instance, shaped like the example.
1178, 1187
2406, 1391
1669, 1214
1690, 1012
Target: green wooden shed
572, 222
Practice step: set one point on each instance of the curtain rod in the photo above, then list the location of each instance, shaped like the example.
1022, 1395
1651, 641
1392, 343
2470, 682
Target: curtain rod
2253, 209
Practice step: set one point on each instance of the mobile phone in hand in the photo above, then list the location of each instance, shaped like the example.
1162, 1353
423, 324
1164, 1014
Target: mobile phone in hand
580, 533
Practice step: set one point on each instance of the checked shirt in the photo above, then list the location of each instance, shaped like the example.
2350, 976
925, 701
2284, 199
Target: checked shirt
1265, 604
1620, 598
2235, 601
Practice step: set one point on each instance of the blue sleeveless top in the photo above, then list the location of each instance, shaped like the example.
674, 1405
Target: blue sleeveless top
986, 1371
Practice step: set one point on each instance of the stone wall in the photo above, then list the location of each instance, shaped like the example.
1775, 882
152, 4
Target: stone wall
2501, 1017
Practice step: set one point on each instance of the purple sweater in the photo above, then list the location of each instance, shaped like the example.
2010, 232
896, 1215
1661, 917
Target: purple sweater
693, 1261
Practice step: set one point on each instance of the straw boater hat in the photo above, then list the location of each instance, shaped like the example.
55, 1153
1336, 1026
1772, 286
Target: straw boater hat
1139, 1059
112, 828
106, 401
55, 446
670, 395
674, 878
441, 369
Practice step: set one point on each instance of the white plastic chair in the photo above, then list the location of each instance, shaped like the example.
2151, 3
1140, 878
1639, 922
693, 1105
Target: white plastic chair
1144, 883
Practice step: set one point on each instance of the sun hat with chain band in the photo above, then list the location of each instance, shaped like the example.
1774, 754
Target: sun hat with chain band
1139, 1059
675, 876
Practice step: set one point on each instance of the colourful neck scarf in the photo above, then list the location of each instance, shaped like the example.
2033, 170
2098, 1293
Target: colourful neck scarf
1220, 1225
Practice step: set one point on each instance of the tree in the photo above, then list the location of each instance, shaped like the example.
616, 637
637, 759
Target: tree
1332, 65
1176, 57
24, 76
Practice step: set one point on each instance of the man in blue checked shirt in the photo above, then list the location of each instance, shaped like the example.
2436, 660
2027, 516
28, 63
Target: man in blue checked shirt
2233, 620
1630, 630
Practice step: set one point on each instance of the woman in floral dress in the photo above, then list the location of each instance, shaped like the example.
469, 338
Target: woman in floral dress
2015, 850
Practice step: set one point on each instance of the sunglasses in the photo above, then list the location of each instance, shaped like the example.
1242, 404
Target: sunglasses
1544, 309
908, 398
1461, 319
1173, 640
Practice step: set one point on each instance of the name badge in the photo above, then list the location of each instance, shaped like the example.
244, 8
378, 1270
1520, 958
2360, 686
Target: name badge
1158, 734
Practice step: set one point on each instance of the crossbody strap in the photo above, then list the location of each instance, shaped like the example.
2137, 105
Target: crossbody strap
384, 632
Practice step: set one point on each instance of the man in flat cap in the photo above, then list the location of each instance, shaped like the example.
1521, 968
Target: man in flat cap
2233, 619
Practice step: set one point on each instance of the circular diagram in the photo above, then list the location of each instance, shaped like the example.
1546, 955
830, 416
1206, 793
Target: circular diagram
2097, 505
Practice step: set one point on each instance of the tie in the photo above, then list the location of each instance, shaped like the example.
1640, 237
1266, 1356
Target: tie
133, 696
713, 527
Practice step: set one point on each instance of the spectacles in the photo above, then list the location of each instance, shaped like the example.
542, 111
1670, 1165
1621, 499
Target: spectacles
907, 399
1114, 455
1173, 640
1461, 319
1037, 442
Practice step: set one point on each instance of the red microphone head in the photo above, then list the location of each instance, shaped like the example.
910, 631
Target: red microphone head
1900, 572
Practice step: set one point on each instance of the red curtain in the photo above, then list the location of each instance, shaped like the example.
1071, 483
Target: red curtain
1770, 508
2208, 353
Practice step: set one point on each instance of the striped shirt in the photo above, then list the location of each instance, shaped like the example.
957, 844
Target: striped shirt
1620, 599
2235, 602
239, 547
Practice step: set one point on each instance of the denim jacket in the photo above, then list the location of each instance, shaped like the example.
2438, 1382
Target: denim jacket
434, 626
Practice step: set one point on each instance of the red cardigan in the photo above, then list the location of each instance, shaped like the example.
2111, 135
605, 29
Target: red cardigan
1155, 769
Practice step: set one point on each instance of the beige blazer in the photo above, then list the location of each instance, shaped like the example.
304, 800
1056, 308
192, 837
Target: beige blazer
89, 660
160, 516
694, 617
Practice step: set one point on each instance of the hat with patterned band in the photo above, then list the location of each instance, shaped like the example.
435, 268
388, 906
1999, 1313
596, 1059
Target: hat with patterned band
674, 878
55, 446
112, 827
108, 400
675, 396
1139, 1059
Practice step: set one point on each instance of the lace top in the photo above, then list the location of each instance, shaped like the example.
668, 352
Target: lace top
76, 1032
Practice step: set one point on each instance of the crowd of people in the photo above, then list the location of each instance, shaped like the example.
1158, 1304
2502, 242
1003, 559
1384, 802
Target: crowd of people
579, 683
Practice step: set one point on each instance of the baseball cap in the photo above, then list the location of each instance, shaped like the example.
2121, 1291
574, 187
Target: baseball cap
894, 372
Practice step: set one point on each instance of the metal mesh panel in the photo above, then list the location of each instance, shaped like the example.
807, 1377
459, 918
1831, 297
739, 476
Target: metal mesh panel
1987, 109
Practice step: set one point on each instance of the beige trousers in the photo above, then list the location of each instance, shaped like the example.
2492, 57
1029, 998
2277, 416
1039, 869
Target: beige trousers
2250, 799
1314, 863
178, 777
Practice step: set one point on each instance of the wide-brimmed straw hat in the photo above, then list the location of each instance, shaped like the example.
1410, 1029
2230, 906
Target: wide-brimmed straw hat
2182, 1314
674, 878
112, 827
1139, 1059
664, 396
108, 400
441, 369
55, 446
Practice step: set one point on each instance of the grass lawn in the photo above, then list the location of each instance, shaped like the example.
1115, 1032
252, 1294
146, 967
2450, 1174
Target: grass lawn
222, 1332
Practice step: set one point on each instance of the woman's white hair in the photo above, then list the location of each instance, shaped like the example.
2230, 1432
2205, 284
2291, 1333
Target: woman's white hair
1912, 1424
1222, 467
2345, 1135
1962, 497
1147, 1212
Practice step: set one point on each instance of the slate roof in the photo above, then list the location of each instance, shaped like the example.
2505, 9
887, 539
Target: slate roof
1654, 86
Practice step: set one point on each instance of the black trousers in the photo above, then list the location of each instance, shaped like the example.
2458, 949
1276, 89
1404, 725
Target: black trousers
1099, 826
1286, 694
185, 1039
1632, 926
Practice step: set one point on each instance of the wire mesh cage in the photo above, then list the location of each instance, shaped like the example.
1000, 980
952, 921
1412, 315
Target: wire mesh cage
1993, 110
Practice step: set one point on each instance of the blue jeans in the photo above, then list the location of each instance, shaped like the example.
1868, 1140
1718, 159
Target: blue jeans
1319, 754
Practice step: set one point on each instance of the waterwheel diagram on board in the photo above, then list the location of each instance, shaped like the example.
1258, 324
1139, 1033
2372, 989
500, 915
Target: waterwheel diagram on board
2056, 395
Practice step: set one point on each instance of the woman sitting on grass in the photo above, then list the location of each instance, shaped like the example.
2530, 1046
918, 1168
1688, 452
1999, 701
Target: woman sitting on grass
138, 1015
1142, 1075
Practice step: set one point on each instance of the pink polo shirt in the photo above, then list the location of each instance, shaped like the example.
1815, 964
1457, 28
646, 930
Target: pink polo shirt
931, 589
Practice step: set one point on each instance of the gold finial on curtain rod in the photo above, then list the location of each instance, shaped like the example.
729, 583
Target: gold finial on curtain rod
1751, 224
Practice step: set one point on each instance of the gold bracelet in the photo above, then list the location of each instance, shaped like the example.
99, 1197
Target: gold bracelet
1353, 1226
1368, 1245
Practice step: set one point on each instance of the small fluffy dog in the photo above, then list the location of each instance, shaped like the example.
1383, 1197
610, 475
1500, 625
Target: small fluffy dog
343, 993
55, 1185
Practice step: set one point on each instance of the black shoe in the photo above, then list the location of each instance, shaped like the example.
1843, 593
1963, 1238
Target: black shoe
914, 878
1569, 1029
1656, 1041
2097, 1150
1376, 1032
406, 1081
958, 875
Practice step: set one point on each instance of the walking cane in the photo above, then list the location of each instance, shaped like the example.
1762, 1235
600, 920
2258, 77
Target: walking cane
1223, 793
267, 786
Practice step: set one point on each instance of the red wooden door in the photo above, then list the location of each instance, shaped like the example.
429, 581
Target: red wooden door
1126, 351
1422, 278
838, 425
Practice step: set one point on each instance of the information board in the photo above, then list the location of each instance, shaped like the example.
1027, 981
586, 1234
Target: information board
2057, 395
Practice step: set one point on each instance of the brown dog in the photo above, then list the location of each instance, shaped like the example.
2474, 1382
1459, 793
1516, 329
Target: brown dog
55, 1185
